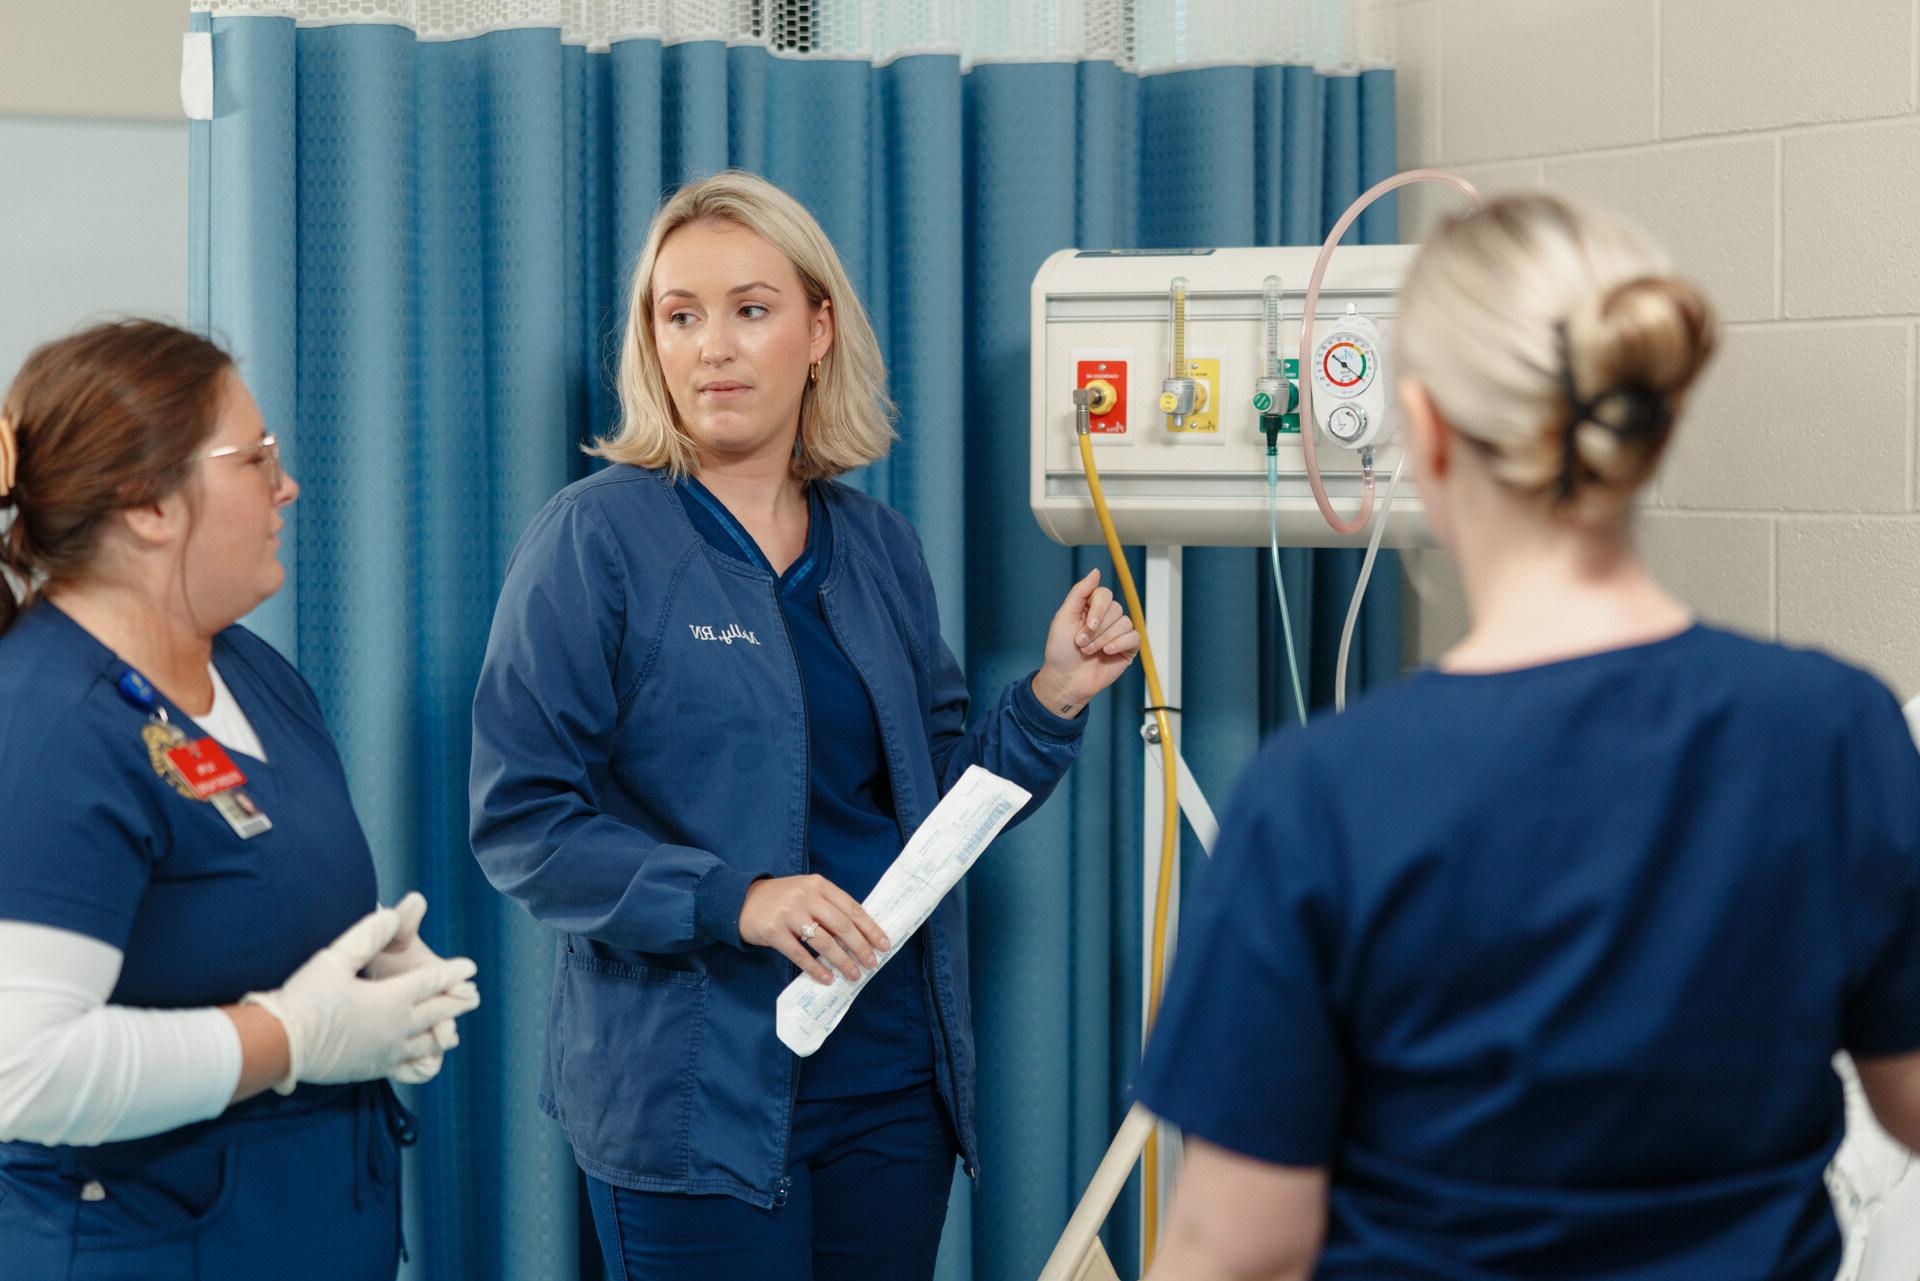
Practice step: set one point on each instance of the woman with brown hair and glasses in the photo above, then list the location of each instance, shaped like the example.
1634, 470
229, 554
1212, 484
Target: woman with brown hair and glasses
200, 1011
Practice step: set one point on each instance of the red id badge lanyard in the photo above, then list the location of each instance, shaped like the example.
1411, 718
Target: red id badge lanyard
198, 769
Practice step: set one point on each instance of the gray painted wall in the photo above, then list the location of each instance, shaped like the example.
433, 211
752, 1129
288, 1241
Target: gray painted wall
93, 167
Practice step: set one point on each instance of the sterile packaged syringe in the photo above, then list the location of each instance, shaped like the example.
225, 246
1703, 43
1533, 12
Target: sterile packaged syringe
962, 825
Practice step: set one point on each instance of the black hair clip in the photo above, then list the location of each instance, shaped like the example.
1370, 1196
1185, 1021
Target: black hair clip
1646, 414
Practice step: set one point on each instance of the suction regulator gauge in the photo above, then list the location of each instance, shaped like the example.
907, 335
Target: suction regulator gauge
1345, 363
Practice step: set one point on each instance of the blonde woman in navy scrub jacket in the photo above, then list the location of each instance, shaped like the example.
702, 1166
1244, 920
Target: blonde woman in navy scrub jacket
714, 704
200, 1012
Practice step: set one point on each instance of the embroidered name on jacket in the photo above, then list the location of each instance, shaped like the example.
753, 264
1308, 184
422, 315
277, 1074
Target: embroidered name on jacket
734, 632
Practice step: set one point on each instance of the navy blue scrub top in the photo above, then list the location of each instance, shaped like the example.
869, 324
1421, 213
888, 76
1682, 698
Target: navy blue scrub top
853, 835
99, 843
1548, 966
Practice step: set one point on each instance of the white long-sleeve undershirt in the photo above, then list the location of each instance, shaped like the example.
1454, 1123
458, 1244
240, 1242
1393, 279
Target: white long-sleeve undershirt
227, 723
74, 1069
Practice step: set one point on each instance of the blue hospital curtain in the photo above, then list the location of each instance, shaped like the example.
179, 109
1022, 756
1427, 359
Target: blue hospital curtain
416, 236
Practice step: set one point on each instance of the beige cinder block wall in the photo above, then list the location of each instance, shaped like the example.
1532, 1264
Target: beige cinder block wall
1774, 148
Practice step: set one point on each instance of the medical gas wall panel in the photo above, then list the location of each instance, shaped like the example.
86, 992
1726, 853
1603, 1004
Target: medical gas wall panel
1103, 319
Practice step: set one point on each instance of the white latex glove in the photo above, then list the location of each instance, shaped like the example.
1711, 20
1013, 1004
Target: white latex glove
342, 1028
408, 952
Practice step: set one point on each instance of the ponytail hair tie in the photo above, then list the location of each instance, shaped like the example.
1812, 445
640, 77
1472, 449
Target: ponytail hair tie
9, 456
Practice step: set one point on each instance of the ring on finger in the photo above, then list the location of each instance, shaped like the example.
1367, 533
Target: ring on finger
808, 930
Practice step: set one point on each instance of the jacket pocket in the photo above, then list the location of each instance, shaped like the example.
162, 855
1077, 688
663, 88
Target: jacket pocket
626, 1064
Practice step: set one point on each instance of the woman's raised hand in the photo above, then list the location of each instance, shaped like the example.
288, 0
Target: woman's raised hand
803, 915
1089, 643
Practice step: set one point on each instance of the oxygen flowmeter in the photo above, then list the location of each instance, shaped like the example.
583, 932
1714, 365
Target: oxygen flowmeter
1180, 393
1276, 394
1349, 395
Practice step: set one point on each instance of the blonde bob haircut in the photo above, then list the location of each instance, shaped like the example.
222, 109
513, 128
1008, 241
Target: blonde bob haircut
846, 419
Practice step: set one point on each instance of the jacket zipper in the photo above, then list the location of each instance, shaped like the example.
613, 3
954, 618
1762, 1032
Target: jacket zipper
783, 1186
945, 1048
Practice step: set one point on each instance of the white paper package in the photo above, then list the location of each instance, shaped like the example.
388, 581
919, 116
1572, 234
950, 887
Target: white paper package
938, 855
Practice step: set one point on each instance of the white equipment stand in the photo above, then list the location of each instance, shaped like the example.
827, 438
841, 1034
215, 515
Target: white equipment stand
1078, 1256
1161, 600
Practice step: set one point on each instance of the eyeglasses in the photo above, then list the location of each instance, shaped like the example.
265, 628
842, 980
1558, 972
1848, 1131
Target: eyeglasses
268, 447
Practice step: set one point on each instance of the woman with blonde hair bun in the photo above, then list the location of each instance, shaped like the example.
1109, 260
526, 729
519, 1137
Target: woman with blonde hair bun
714, 705
1536, 963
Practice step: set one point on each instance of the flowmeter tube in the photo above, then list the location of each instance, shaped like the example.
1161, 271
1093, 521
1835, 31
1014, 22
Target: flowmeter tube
1179, 393
1273, 395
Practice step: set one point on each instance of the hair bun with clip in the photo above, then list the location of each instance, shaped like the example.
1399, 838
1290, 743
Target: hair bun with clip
1646, 413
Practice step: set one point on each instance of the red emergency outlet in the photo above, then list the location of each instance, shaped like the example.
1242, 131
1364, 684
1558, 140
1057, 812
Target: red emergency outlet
1108, 379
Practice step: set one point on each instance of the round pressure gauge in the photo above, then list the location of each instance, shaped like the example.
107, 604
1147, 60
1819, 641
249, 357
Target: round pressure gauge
1344, 364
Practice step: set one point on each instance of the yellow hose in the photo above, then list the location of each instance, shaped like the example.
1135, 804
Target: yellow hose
1169, 828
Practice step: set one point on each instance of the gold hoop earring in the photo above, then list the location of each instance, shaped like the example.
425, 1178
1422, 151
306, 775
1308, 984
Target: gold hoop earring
813, 374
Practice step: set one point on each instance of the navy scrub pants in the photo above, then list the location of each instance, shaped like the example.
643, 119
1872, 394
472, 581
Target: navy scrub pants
313, 1198
870, 1180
